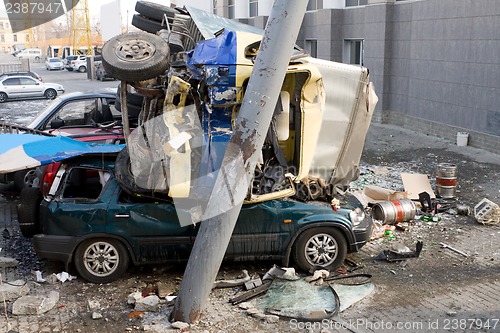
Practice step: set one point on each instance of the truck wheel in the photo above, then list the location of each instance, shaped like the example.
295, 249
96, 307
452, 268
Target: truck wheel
146, 24
320, 247
101, 260
153, 10
135, 56
28, 210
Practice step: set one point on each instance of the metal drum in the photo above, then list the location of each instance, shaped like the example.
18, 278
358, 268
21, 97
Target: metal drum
394, 211
446, 180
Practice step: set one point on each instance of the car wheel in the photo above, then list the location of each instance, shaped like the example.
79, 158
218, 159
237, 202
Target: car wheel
50, 94
153, 10
24, 178
125, 178
146, 24
135, 56
320, 247
82, 69
28, 210
101, 260
69, 69
37, 58
3, 97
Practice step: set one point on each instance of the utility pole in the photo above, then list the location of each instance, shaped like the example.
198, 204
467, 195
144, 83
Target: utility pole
240, 158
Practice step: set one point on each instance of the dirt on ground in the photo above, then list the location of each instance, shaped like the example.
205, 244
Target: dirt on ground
435, 272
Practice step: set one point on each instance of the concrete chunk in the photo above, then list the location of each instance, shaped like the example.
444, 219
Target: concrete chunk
14, 290
35, 305
147, 304
8, 262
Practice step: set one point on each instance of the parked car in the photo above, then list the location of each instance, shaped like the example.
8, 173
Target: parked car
25, 73
70, 59
79, 64
22, 87
54, 63
70, 110
89, 221
35, 54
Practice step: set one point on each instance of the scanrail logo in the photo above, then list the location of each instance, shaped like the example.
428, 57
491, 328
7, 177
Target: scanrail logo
26, 14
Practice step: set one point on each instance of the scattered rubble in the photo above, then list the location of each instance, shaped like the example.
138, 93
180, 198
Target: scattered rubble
149, 303
13, 290
8, 262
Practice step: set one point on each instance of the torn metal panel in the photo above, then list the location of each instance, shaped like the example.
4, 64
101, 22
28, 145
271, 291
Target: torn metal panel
350, 103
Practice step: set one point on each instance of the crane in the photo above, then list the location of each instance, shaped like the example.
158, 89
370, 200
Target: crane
80, 27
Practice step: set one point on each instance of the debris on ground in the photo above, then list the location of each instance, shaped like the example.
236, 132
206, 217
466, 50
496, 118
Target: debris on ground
398, 254
446, 246
487, 212
233, 283
35, 305
13, 290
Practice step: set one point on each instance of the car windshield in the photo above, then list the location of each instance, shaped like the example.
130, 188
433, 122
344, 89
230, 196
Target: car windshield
42, 115
54, 60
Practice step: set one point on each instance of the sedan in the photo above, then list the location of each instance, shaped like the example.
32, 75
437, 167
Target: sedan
90, 221
54, 63
23, 87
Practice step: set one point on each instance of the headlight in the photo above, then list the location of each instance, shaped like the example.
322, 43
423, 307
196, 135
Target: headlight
357, 215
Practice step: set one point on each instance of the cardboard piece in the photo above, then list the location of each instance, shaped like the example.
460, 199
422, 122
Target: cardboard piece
378, 193
415, 183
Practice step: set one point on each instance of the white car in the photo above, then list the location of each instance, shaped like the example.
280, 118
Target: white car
80, 64
54, 63
22, 87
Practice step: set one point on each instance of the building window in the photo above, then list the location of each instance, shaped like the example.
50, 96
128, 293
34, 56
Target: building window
2, 38
214, 6
253, 8
312, 47
14, 37
230, 9
351, 3
1, 25
315, 4
353, 51
27, 38
6, 25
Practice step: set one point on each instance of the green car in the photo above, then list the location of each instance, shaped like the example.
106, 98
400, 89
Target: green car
88, 220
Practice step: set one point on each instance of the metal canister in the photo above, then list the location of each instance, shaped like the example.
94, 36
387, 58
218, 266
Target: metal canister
446, 180
390, 212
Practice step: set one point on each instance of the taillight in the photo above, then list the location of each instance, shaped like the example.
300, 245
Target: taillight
49, 176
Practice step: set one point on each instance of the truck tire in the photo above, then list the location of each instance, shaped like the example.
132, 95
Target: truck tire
146, 24
135, 56
153, 10
28, 211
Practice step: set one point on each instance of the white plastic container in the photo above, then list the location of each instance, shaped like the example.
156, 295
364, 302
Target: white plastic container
462, 139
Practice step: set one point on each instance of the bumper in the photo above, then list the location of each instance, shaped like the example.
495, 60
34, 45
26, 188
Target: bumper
52, 247
362, 233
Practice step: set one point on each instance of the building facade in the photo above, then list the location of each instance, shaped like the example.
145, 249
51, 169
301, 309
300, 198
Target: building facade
434, 62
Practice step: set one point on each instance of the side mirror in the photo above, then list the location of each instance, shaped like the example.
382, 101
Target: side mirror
56, 123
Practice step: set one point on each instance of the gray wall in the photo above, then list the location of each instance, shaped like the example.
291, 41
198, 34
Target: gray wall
435, 63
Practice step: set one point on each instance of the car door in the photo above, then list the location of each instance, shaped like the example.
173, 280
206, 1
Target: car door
30, 87
80, 205
12, 86
151, 226
259, 232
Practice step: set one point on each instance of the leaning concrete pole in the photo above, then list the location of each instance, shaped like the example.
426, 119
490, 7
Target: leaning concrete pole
240, 158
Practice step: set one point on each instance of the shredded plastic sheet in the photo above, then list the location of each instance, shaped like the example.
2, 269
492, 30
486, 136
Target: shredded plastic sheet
299, 299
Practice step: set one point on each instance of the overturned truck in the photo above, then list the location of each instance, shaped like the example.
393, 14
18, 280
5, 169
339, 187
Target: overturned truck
183, 81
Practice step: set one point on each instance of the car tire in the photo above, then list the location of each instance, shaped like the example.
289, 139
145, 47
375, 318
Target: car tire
124, 176
121, 60
310, 252
153, 10
69, 69
28, 211
145, 24
37, 58
101, 260
82, 69
24, 178
3, 97
50, 93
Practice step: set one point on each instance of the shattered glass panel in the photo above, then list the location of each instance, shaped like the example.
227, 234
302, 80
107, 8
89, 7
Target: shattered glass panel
299, 299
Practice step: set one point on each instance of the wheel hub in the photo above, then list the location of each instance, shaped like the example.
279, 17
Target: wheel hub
136, 50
